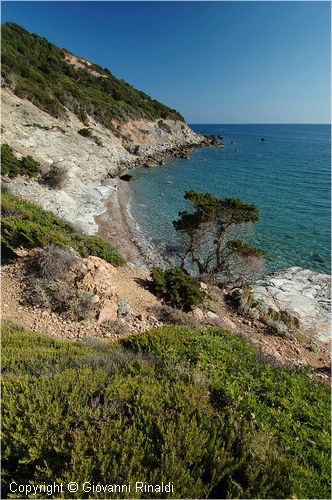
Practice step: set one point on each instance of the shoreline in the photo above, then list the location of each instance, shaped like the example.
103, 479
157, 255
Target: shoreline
296, 289
116, 224
118, 227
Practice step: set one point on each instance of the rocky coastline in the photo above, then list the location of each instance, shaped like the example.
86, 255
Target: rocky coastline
88, 198
86, 163
156, 155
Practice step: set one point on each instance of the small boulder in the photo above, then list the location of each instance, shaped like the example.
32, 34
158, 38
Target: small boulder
124, 309
108, 311
198, 313
127, 177
212, 316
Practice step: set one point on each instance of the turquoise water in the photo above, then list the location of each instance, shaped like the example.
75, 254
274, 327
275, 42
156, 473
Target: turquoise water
287, 177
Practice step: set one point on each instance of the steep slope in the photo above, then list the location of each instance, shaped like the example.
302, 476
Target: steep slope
56, 80
78, 119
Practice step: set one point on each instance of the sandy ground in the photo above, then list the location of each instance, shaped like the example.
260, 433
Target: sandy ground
117, 227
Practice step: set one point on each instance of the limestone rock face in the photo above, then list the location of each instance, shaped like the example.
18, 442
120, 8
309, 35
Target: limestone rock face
303, 293
56, 143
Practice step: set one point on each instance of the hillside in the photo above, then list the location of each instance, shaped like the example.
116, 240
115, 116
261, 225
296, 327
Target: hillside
113, 373
200, 409
81, 124
57, 81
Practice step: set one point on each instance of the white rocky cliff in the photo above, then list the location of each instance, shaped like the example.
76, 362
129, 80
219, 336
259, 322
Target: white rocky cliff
85, 161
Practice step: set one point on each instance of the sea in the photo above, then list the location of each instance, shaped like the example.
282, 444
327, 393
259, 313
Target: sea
287, 175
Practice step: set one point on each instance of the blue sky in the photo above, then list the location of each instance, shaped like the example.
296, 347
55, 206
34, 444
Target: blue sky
215, 62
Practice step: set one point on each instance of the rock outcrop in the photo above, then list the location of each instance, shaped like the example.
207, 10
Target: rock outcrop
303, 294
85, 162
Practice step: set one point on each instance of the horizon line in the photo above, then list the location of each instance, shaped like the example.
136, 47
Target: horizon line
259, 123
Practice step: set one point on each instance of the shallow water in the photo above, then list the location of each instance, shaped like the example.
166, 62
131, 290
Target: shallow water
287, 176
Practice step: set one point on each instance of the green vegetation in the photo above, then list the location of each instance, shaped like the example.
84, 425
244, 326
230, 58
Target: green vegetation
13, 167
26, 225
209, 244
37, 70
287, 413
85, 132
197, 408
176, 287
281, 323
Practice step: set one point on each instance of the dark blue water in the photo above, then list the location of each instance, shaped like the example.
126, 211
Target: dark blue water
287, 177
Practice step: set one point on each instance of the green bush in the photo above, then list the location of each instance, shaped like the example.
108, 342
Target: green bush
176, 287
29, 166
97, 141
26, 225
94, 245
195, 408
13, 167
85, 132
284, 404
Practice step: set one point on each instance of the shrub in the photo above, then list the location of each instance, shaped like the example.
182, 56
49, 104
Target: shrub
61, 296
50, 285
281, 402
176, 287
36, 293
116, 327
80, 305
85, 132
54, 262
29, 166
94, 245
35, 227
73, 409
97, 141
280, 323
29, 234
10, 165
56, 177
170, 316
13, 167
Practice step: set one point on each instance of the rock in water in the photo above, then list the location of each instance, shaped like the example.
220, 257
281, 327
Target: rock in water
305, 294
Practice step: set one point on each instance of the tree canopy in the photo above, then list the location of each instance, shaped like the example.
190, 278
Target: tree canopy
207, 232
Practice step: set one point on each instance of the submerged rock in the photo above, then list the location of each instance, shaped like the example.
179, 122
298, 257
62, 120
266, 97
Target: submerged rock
128, 177
304, 294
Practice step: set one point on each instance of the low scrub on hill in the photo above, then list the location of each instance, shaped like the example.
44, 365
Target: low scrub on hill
198, 408
35, 69
12, 166
176, 287
25, 224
